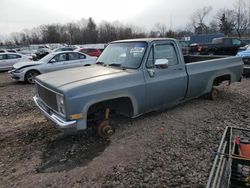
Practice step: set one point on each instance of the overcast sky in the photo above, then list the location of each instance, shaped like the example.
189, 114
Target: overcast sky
16, 15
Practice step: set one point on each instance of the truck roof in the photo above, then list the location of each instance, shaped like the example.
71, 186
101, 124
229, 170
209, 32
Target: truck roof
144, 40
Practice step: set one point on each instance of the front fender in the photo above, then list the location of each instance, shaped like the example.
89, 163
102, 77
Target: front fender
110, 97
82, 123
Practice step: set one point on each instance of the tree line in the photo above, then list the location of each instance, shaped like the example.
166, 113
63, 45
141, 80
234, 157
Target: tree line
230, 22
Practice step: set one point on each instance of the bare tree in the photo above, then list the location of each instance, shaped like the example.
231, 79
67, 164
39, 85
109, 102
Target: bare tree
160, 29
72, 29
213, 26
198, 20
241, 17
107, 32
138, 32
16, 37
171, 34
225, 19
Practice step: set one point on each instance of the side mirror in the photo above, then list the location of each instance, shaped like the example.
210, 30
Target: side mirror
161, 63
52, 61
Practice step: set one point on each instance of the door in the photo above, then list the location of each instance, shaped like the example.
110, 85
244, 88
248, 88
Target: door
165, 85
56, 63
227, 46
12, 59
3, 65
75, 60
236, 46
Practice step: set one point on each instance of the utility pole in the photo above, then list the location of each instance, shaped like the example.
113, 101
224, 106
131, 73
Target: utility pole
248, 27
171, 23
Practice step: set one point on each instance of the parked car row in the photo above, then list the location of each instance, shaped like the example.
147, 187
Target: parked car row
43, 50
8, 50
27, 71
24, 69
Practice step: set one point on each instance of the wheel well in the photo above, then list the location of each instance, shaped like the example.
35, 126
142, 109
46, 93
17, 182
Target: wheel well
30, 71
210, 51
220, 79
122, 105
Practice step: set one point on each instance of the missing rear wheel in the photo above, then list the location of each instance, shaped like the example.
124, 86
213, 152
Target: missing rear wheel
214, 94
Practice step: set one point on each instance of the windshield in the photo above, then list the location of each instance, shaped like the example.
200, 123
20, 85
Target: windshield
57, 50
47, 58
125, 55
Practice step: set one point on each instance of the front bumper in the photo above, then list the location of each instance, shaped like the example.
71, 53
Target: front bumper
61, 123
246, 70
16, 76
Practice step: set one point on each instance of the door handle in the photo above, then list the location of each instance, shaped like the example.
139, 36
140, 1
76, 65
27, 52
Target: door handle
151, 72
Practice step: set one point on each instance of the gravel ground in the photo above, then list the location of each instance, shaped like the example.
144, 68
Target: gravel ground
168, 148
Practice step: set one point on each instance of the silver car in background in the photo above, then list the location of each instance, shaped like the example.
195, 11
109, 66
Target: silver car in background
52, 62
7, 60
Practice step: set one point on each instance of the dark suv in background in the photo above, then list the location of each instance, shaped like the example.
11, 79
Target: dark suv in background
219, 46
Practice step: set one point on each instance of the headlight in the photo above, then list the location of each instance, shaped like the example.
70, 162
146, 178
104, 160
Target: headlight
19, 70
60, 104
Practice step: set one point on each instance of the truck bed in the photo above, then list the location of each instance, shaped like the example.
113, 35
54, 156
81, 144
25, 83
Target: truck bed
195, 58
201, 74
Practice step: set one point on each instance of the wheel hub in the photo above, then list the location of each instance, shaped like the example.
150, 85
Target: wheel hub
104, 130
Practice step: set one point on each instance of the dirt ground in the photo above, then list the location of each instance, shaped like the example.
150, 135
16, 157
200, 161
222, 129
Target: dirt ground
168, 148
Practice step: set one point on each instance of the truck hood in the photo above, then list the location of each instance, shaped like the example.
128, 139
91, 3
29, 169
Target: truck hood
66, 77
26, 64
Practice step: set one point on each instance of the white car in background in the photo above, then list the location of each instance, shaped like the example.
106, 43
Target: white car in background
7, 60
52, 62
8, 50
29, 53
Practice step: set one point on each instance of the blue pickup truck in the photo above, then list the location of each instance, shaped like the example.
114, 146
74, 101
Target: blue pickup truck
131, 77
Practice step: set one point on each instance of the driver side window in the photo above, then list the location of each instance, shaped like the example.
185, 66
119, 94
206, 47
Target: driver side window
2, 57
60, 57
162, 51
166, 51
236, 42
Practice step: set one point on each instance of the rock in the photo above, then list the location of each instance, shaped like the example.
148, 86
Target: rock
13, 170
62, 160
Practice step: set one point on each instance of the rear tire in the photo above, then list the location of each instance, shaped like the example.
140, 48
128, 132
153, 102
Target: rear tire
30, 76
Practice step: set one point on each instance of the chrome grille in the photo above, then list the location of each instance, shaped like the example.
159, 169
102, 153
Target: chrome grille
47, 96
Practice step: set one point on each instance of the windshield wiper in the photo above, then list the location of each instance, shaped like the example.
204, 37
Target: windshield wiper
114, 64
118, 65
